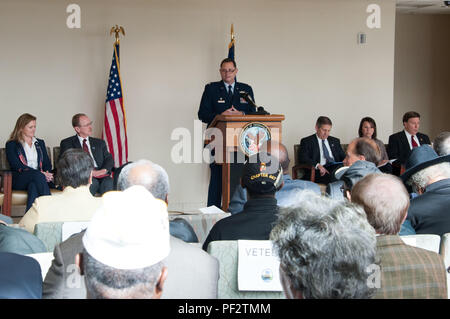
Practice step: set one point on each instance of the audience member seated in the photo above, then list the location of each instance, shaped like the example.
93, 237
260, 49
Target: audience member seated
429, 176
406, 271
441, 144
262, 177
368, 128
28, 159
401, 143
325, 249
75, 202
284, 195
19, 241
322, 151
194, 274
96, 148
361, 158
155, 179
122, 258
20, 277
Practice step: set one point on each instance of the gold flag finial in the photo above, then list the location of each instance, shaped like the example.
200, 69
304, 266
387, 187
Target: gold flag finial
117, 30
232, 32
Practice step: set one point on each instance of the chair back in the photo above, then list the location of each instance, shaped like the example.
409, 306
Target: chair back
226, 251
445, 253
44, 260
296, 150
4, 164
54, 233
428, 242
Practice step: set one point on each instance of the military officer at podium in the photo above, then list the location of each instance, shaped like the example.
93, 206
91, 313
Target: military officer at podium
223, 97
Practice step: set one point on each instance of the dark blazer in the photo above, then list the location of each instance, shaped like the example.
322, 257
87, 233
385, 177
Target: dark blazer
20, 277
17, 158
429, 213
215, 100
255, 222
398, 146
99, 150
309, 151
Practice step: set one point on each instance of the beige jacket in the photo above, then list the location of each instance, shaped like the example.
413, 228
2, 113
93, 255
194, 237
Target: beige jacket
72, 204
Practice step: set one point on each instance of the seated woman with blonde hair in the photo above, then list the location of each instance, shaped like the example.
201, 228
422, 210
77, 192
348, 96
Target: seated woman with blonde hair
29, 161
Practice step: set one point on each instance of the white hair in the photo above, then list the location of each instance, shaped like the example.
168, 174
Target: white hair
442, 144
424, 177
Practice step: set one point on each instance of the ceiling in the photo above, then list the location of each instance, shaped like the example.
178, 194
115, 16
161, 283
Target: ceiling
422, 7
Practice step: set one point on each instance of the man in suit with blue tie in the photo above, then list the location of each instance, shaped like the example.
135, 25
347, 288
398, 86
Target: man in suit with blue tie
322, 151
224, 98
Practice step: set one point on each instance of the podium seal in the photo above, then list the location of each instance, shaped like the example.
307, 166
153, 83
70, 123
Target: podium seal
252, 137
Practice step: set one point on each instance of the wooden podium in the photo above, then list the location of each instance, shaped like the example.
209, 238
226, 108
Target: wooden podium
231, 127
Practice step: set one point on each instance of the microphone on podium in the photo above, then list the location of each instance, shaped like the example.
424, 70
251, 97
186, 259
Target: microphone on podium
258, 110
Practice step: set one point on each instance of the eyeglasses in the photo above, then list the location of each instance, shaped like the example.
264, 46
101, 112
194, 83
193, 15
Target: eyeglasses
227, 71
86, 125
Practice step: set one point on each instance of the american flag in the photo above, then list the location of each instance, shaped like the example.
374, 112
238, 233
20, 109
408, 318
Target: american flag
115, 126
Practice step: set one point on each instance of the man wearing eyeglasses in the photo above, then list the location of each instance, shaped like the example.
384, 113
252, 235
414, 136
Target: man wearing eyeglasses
96, 148
223, 97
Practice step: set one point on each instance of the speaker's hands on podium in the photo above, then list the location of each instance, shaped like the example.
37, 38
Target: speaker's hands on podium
232, 111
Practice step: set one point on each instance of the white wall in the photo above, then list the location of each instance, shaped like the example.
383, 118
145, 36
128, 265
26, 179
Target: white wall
422, 71
301, 57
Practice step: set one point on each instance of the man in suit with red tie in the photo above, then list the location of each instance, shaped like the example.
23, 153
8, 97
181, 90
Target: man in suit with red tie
402, 143
322, 151
96, 148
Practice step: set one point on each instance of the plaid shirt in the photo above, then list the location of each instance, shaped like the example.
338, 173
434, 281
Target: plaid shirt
409, 272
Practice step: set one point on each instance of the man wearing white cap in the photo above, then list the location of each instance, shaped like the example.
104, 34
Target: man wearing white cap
122, 258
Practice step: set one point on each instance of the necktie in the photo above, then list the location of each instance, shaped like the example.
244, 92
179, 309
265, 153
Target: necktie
413, 142
85, 147
325, 153
230, 91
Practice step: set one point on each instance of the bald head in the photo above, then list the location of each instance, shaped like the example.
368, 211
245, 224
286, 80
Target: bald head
385, 201
279, 151
145, 173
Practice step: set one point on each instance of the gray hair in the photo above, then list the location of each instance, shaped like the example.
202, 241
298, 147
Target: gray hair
424, 177
385, 201
325, 247
442, 144
103, 281
150, 175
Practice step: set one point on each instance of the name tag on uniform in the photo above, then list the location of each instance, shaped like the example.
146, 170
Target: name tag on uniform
221, 101
242, 100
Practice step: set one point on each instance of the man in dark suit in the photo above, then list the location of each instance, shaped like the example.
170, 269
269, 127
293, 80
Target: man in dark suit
20, 277
223, 97
322, 151
401, 143
96, 148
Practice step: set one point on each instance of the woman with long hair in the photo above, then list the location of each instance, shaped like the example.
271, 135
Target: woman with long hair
368, 128
29, 161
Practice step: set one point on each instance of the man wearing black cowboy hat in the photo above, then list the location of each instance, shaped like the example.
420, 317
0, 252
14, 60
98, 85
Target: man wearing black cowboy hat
429, 175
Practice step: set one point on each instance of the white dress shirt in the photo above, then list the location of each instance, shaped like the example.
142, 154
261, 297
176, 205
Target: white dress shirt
31, 153
408, 137
323, 160
89, 147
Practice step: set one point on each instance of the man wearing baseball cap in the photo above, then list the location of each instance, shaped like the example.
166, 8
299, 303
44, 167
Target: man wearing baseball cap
429, 175
262, 177
122, 258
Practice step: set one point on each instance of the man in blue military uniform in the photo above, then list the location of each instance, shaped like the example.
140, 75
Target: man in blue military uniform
223, 97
